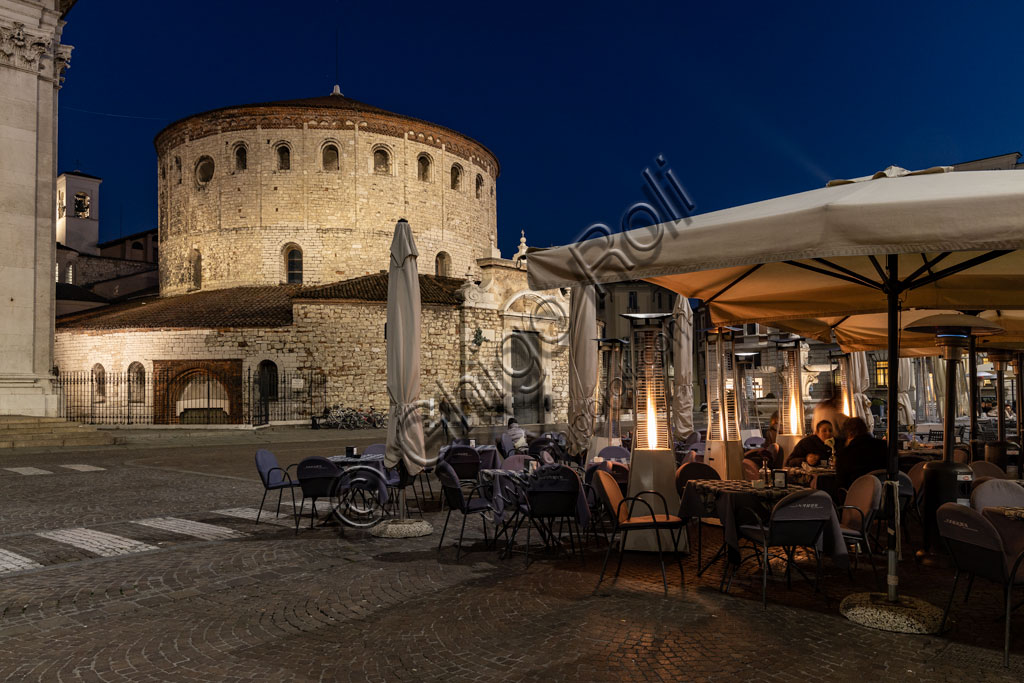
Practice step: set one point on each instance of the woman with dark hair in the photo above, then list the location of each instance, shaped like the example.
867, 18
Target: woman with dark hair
862, 453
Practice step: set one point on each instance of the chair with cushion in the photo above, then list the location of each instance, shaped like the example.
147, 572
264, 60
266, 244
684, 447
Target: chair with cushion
858, 513
997, 493
976, 548
751, 471
451, 490
961, 454
798, 520
318, 478
551, 494
274, 478
689, 472
545, 450
983, 468
634, 513
916, 476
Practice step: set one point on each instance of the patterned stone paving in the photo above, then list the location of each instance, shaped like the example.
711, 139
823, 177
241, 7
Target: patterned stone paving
218, 598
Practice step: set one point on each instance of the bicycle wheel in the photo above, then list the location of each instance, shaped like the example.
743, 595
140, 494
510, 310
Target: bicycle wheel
359, 496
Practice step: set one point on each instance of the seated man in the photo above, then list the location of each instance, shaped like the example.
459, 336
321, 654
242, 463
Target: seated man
862, 453
516, 433
813, 448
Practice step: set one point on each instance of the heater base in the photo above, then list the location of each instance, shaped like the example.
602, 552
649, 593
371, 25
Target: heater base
787, 442
726, 457
654, 471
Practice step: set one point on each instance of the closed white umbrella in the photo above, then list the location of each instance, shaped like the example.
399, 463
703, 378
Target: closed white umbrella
860, 381
582, 367
906, 384
405, 427
682, 351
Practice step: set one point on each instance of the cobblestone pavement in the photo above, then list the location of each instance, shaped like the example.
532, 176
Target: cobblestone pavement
128, 572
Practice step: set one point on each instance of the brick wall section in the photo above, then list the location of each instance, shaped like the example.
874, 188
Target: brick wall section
241, 222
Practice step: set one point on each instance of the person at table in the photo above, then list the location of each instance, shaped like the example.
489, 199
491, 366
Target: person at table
812, 449
830, 410
516, 433
860, 455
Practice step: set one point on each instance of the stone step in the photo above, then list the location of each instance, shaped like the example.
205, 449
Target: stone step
8, 431
29, 419
19, 431
95, 439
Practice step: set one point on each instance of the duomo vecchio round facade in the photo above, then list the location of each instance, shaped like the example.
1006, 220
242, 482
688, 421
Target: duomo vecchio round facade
308, 191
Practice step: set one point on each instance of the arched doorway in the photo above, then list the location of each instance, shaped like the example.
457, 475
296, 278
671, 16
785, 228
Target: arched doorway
265, 391
199, 397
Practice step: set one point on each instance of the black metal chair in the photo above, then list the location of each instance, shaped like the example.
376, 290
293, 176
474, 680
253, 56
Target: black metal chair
798, 520
465, 461
977, 548
858, 514
624, 520
551, 494
451, 489
274, 478
699, 470
546, 451
318, 478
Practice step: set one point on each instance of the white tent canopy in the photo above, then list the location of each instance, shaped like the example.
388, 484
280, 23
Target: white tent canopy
815, 253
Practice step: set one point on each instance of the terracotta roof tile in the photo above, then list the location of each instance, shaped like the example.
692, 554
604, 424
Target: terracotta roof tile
268, 306
433, 289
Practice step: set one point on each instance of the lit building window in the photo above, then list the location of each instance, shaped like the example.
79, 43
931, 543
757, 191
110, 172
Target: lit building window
81, 205
882, 373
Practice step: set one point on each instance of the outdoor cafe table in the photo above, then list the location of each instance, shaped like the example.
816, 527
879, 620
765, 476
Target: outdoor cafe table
723, 497
350, 460
498, 485
489, 456
808, 476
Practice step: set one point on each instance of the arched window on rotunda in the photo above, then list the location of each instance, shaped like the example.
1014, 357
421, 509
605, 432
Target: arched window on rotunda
479, 186
284, 158
456, 177
330, 158
136, 383
241, 157
293, 265
442, 264
196, 266
381, 162
423, 168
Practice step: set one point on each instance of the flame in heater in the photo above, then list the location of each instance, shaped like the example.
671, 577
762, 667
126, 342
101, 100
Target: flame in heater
794, 419
652, 427
846, 404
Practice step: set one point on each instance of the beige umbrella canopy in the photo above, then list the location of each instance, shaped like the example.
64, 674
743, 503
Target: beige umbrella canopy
937, 240
582, 366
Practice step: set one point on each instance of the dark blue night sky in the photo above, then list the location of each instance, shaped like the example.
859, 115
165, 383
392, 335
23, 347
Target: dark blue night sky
746, 101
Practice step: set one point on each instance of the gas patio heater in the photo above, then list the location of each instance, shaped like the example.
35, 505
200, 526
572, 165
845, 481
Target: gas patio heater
844, 384
1001, 452
944, 480
791, 410
653, 464
724, 451
609, 434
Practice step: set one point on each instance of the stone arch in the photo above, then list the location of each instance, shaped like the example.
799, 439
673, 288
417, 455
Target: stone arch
283, 156
240, 154
99, 383
292, 262
330, 156
195, 263
479, 186
199, 395
424, 167
382, 160
136, 382
455, 182
443, 264
267, 380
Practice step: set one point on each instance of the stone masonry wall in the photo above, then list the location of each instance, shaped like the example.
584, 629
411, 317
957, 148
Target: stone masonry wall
242, 221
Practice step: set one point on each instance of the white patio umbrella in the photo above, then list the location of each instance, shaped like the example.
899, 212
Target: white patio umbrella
929, 239
582, 366
682, 365
405, 446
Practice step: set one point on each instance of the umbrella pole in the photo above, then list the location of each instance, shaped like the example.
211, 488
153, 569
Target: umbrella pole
972, 377
892, 296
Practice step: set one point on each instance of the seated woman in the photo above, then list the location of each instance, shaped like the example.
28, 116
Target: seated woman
862, 453
813, 449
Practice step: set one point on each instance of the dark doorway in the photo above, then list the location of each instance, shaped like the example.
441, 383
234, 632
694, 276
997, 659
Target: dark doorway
527, 377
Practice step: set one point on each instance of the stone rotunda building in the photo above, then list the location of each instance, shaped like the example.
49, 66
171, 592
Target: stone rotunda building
274, 228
